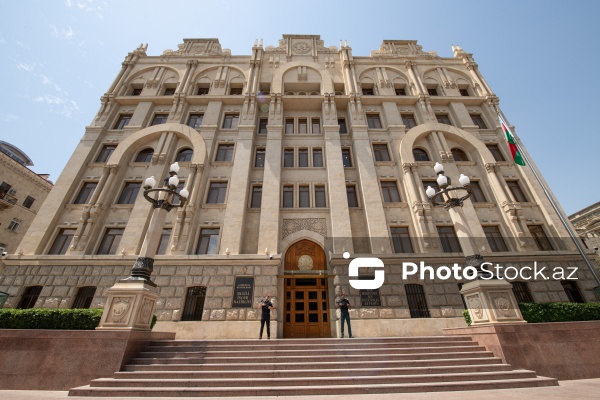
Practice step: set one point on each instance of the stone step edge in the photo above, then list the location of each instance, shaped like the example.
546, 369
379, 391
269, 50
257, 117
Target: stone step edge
360, 389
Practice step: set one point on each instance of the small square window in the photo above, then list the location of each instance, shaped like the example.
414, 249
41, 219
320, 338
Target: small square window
373, 121
169, 92
195, 120
136, 91
432, 91
367, 91
390, 192
289, 125
400, 92
443, 119
145, 156
62, 242
494, 238
464, 92
129, 193
409, 120
478, 120
28, 202
401, 240
477, 195
235, 91
14, 224
224, 152
110, 241
105, 153
123, 121
516, 191
450, 243
217, 192
203, 91
381, 152
259, 159
159, 119
302, 125
208, 241
495, 150
85, 194
231, 121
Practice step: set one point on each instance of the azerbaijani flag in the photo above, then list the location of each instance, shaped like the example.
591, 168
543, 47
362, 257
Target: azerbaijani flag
512, 144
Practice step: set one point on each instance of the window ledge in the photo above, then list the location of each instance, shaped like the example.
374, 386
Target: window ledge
215, 206
466, 163
396, 204
221, 164
122, 206
483, 204
384, 163
305, 209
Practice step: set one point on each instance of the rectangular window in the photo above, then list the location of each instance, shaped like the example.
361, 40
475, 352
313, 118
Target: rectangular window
262, 126
477, 195
110, 241
14, 225
30, 297
478, 120
381, 152
62, 242
224, 152
208, 241
304, 199
320, 196
288, 158
495, 150
373, 121
390, 192
194, 303
28, 202
159, 119
217, 192
302, 125
316, 125
259, 158
317, 158
494, 238
516, 191
129, 193
464, 92
351, 195
105, 153
256, 199
303, 158
288, 197
409, 120
521, 292
85, 194
231, 121
432, 91
417, 302
367, 91
84, 297
401, 240
346, 158
443, 119
163, 243
123, 121
449, 239
541, 240
169, 92
343, 128
203, 91
433, 184
136, 91
195, 120
289, 125
234, 91
400, 92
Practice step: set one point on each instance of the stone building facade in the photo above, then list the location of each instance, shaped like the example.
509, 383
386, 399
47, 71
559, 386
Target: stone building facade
22, 193
587, 225
293, 155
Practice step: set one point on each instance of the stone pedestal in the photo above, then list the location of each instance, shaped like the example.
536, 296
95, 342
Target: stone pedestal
491, 302
130, 306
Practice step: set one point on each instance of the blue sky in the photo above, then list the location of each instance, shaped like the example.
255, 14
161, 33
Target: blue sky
539, 57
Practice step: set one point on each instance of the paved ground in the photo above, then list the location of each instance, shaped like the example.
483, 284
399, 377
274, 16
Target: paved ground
577, 390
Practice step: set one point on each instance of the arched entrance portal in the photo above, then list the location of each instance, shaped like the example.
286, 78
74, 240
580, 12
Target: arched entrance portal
306, 312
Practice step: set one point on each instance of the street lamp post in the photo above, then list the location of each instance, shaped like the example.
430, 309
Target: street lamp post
162, 204
488, 300
131, 301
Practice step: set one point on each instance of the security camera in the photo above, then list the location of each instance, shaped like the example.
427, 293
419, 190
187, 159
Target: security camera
271, 257
4, 253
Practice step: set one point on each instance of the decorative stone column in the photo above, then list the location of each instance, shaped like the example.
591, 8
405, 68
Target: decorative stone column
130, 306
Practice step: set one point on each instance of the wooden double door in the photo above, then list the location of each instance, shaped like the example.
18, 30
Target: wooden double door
306, 312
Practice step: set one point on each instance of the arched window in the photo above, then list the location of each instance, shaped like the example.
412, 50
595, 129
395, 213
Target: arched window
145, 155
459, 155
420, 155
184, 155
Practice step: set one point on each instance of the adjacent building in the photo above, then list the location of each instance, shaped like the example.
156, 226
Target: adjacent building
22, 193
293, 155
587, 225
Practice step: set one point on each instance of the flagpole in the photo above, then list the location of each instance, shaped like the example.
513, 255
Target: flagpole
554, 203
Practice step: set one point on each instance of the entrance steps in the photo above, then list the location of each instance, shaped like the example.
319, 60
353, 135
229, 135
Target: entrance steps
285, 367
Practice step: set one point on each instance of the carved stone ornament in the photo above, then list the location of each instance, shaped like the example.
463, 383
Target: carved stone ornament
120, 307
146, 311
317, 225
502, 304
475, 306
301, 48
305, 262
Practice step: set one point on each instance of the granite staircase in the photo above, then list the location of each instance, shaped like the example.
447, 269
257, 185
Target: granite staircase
284, 367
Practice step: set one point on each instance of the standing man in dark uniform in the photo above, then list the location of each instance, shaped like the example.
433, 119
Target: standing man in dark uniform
266, 306
344, 305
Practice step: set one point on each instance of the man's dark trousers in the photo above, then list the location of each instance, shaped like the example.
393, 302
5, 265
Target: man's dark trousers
265, 319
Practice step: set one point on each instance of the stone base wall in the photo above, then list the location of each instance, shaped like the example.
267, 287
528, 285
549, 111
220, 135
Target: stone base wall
561, 350
60, 360
401, 327
217, 329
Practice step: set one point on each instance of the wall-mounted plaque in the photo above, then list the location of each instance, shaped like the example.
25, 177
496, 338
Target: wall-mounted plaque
370, 298
243, 291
